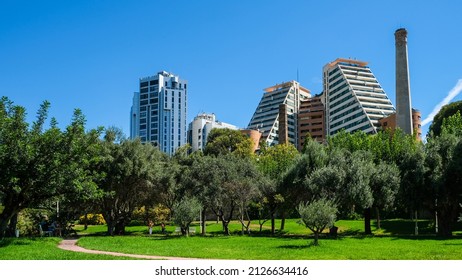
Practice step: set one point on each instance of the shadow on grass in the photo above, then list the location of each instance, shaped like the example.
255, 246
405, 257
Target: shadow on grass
5, 242
297, 247
23, 241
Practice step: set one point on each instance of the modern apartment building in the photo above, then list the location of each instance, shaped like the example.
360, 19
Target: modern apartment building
266, 118
354, 99
158, 113
391, 123
200, 128
311, 120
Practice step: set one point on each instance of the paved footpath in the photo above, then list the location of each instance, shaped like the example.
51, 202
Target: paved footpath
71, 245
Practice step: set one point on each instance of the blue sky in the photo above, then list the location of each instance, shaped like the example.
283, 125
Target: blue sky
90, 54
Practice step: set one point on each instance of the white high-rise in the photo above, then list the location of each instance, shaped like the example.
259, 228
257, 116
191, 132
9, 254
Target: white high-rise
266, 117
159, 111
354, 99
200, 128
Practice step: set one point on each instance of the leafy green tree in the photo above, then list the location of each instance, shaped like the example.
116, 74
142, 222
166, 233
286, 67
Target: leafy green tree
352, 142
223, 141
185, 212
39, 164
445, 112
317, 216
223, 184
274, 162
443, 174
132, 170
385, 183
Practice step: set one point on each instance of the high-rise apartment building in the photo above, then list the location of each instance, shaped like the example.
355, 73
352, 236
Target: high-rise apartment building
311, 120
354, 99
158, 113
200, 128
266, 117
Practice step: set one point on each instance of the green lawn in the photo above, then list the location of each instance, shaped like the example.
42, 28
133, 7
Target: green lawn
394, 241
43, 248
290, 248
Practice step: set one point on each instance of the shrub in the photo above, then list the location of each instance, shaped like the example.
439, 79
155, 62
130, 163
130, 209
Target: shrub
158, 214
29, 219
92, 219
318, 215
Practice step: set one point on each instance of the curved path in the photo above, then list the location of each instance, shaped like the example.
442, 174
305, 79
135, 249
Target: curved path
71, 245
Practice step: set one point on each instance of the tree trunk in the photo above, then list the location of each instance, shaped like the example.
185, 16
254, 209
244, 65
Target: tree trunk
120, 227
416, 227
203, 222
378, 217
316, 238
283, 220
272, 224
12, 225
225, 227
367, 221
445, 223
5, 217
85, 225
110, 222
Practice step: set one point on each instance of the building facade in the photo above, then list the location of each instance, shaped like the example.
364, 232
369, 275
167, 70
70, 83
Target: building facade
267, 115
200, 128
391, 123
354, 99
311, 120
159, 111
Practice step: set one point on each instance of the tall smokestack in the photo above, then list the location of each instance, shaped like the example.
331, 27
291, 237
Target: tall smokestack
403, 90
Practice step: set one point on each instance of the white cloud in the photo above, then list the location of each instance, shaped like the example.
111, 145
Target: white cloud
451, 95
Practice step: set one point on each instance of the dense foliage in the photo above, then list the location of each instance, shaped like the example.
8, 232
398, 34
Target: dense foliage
390, 174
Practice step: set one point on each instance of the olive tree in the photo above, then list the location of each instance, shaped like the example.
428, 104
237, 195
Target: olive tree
185, 212
317, 216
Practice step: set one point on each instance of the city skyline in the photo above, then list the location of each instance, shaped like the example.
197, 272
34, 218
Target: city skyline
91, 55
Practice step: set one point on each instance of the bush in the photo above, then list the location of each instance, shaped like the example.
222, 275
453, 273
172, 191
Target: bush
29, 219
158, 214
92, 219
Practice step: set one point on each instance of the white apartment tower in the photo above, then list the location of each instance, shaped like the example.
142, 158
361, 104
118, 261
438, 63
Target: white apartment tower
354, 99
158, 113
200, 128
266, 117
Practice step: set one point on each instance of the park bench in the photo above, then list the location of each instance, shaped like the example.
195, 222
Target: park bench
192, 230
45, 232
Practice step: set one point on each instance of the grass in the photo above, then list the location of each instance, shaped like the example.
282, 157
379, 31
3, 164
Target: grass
393, 241
43, 248
279, 248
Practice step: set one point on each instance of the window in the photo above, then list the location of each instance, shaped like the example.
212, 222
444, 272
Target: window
154, 82
144, 84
